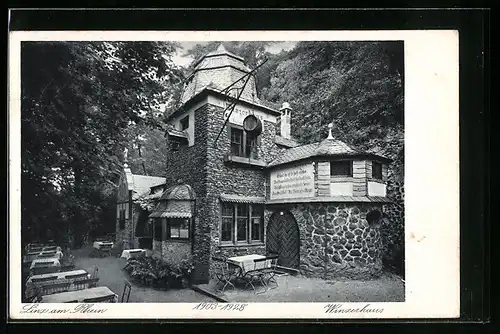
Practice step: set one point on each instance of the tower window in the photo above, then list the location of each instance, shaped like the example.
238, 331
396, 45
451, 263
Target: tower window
243, 144
341, 168
184, 123
377, 170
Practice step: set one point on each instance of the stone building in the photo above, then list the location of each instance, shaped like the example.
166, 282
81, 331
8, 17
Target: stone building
232, 192
133, 205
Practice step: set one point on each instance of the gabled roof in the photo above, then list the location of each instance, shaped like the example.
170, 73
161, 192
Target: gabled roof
182, 192
143, 183
328, 147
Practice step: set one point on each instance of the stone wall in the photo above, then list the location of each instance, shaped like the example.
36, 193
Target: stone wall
223, 177
157, 249
173, 252
337, 241
189, 164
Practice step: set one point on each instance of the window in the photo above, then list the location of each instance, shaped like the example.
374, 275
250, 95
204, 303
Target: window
184, 123
243, 144
377, 170
373, 217
242, 223
176, 143
257, 223
227, 222
341, 168
178, 228
122, 219
158, 230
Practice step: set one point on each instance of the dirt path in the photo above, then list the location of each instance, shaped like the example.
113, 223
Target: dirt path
112, 276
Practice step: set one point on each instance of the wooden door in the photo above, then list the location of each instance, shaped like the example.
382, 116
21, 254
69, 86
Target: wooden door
283, 239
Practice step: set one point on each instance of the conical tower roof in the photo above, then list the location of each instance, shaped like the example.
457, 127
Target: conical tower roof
217, 70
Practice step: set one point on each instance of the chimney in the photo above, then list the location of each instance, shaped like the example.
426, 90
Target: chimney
285, 120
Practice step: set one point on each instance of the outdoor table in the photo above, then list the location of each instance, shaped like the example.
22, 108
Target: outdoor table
133, 253
80, 295
59, 275
99, 244
48, 262
30, 256
245, 262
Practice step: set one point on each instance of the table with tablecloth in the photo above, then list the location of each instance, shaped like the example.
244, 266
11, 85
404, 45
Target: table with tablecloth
246, 262
80, 295
31, 256
59, 275
103, 244
48, 262
132, 253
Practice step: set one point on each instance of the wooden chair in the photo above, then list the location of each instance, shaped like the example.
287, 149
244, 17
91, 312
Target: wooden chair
84, 275
256, 275
223, 274
127, 288
270, 273
46, 255
67, 267
44, 270
37, 296
105, 299
49, 289
43, 279
105, 250
95, 273
82, 284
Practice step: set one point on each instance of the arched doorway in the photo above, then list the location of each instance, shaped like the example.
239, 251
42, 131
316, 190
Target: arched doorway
283, 239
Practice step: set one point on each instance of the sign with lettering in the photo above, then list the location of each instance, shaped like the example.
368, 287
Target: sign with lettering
241, 111
292, 182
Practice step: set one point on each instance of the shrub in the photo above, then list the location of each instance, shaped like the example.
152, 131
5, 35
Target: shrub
159, 274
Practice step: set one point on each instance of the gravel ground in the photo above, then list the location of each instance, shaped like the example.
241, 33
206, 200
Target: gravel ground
112, 276
388, 288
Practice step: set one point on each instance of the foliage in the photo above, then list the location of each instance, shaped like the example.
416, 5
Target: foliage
357, 86
154, 272
76, 108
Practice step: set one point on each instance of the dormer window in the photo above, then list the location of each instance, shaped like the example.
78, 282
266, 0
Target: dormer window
341, 168
184, 123
376, 170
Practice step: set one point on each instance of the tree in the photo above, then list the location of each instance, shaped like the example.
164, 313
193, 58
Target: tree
355, 85
76, 106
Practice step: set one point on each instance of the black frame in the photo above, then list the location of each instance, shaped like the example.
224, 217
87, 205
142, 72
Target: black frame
377, 170
158, 224
184, 123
